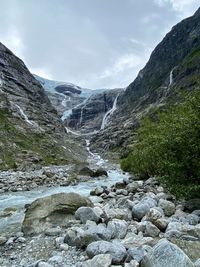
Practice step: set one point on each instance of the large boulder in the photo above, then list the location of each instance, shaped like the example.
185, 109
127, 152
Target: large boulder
115, 249
166, 254
100, 172
55, 210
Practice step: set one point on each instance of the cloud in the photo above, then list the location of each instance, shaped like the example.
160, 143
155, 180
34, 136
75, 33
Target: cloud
184, 8
93, 44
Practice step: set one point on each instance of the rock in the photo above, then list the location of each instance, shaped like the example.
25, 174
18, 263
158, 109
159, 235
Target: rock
53, 231
192, 204
132, 263
56, 260
96, 199
56, 210
136, 254
192, 219
101, 260
118, 228
151, 230
197, 263
166, 254
116, 250
3, 240
132, 187
167, 206
97, 191
133, 240
86, 213
43, 264
80, 238
86, 171
143, 207
100, 172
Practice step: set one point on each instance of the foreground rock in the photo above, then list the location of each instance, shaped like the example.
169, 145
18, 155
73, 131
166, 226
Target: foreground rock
51, 211
102, 260
166, 254
115, 249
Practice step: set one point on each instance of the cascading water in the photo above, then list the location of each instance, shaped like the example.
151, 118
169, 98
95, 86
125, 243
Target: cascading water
109, 113
171, 77
24, 115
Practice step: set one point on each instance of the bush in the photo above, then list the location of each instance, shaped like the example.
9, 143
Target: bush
168, 147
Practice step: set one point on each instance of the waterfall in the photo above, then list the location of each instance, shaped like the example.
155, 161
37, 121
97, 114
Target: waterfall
109, 113
171, 77
24, 115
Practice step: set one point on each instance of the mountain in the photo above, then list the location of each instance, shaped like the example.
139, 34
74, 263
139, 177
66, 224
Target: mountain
93, 113
30, 129
173, 68
65, 96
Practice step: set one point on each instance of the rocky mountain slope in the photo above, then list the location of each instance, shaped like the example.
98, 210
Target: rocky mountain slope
93, 114
172, 69
30, 129
65, 96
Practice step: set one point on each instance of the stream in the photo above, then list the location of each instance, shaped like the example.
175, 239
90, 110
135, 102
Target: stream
17, 200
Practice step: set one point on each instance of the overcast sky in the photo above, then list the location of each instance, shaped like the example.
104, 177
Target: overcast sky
91, 43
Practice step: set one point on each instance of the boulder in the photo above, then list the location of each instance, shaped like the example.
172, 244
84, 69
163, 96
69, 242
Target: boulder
118, 228
197, 263
142, 208
115, 249
136, 254
102, 260
52, 211
167, 206
100, 172
86, 171
86, 213
82, 238
166, 254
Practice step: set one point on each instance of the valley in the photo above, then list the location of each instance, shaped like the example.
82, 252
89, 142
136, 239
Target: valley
103, 177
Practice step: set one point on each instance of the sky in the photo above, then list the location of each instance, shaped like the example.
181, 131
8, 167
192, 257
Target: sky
91, 43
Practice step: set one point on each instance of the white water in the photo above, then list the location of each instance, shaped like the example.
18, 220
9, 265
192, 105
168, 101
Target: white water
24, 115
171, 80
109, 114
19, 199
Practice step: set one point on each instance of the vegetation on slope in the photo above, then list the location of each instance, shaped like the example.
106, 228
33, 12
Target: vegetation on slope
168, 147
19, 146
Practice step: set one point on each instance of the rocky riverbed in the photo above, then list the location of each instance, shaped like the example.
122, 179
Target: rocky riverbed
131, 223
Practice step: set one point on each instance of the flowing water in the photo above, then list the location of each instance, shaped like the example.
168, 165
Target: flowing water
17, 200
109, 113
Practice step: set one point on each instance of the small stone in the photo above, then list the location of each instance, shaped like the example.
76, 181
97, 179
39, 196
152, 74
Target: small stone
167, 206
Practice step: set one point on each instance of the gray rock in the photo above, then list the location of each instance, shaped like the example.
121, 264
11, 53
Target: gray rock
132, 263
132, 187
44, 264
151, 230
56, 209
100, 172
57, 260
197, 263
167, 206
118, 228
136, 254
143, 207
133, 240
116, 250
166, 254
101, 260
86, 213
3, 240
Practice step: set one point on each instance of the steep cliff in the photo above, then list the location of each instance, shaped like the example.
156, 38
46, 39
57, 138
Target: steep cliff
172, 69
30, 129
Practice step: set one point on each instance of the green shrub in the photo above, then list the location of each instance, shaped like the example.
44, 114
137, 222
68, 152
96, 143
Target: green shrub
168, 147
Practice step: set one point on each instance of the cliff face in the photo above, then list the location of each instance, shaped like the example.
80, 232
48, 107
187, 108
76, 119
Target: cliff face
30, 126
172, 69
89, 115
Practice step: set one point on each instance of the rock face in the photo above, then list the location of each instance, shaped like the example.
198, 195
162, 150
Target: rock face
89, 116
30, 125
172, 68
166, 254
52, 211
